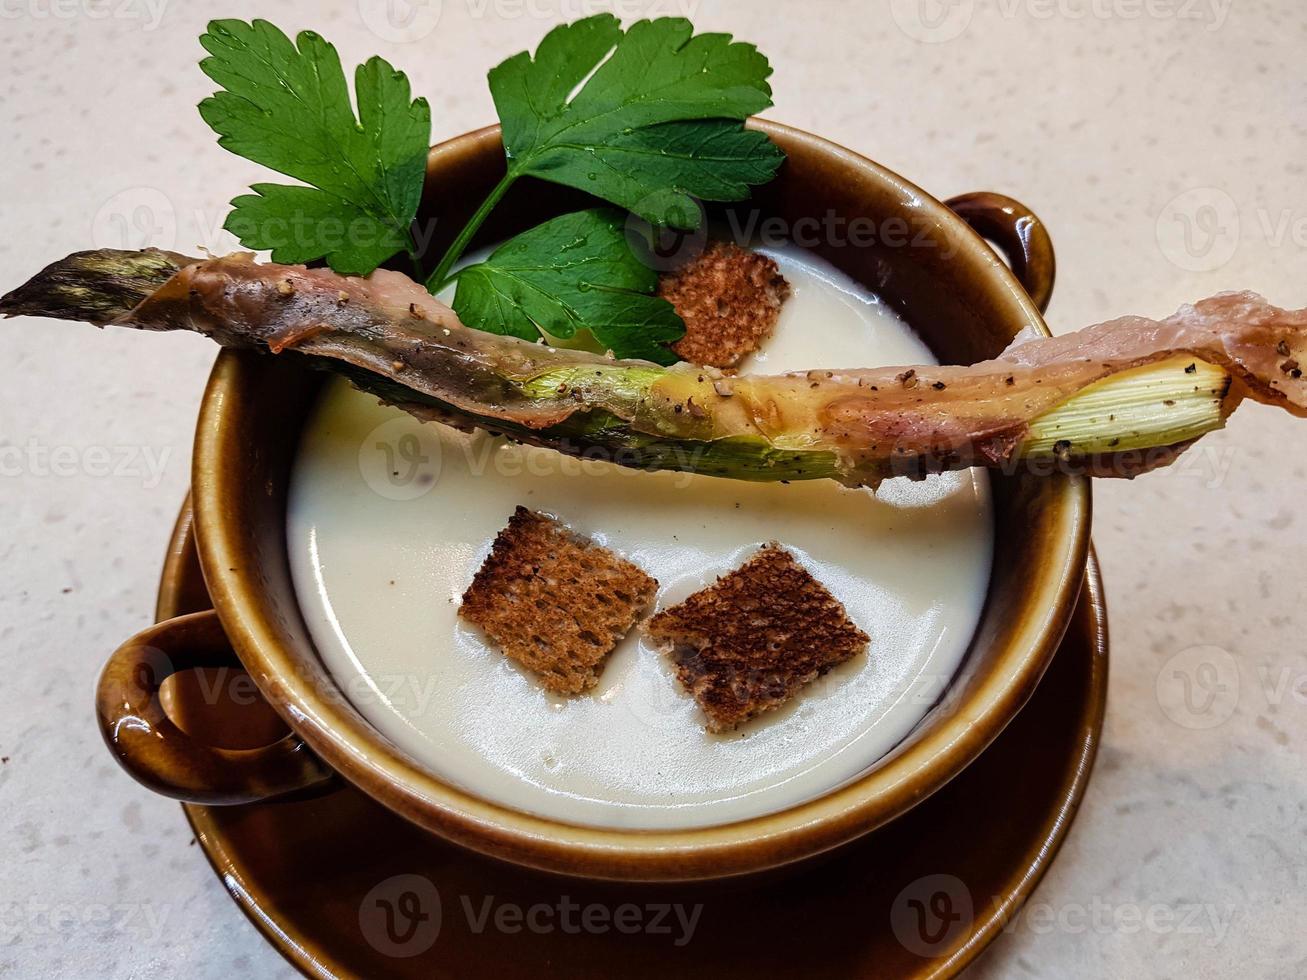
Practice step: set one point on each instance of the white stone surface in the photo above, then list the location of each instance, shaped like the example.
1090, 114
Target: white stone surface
1115, 120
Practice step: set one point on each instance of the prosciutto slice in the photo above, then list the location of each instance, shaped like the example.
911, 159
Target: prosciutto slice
390, 337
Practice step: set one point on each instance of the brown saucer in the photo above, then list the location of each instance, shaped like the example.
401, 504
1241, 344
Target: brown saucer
343, 887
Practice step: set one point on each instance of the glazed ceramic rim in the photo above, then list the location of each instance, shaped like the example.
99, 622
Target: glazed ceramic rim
347, 743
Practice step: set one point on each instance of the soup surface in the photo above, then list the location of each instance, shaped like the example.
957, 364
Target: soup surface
389, 519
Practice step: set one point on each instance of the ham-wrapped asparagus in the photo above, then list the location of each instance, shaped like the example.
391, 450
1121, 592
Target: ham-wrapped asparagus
1113, 399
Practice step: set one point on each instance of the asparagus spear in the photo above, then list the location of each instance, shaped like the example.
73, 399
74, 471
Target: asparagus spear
1116, 400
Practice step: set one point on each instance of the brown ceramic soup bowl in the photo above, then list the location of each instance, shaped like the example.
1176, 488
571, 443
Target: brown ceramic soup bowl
919, 254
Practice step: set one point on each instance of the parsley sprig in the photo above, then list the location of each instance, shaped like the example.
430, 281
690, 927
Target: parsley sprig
287, 107
649, 119
572, 273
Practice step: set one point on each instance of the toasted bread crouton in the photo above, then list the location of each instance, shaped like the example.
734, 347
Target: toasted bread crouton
555, 601
750, 641
729, 298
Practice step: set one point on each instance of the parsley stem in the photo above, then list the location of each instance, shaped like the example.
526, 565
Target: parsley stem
414, 262
456, 249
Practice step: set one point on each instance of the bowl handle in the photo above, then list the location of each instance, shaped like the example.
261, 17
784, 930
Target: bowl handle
1015, 229
154, 750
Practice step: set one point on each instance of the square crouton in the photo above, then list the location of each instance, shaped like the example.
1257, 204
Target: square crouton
750, 641
555, 601
730, 299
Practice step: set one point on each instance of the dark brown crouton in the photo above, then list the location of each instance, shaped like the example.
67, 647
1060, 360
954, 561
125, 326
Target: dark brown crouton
555, 601
729, 298
747, 643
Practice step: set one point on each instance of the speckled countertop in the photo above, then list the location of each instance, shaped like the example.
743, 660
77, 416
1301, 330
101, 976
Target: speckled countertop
1163, 141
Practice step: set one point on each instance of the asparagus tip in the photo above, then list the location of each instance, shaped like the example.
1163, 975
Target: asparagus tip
96, 286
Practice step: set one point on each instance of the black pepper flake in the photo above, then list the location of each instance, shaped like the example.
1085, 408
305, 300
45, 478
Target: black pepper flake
1169, 402
1009, 380
908, 378
1291, 368
1191, 369
939, 386
1282, 348
1114, 442
1062, 448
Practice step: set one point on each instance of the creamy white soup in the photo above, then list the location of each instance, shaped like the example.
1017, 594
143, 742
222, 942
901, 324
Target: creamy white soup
389, 519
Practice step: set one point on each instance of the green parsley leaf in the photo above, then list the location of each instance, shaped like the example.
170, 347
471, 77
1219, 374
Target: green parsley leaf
572, 273
287, 106
658, 123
